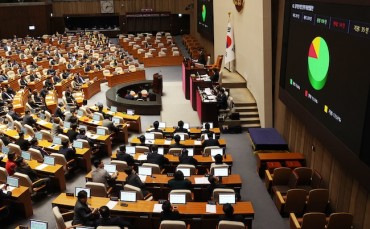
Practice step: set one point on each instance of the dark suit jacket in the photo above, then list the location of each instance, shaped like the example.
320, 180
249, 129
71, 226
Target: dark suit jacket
28, 119
28, 171
187, 160
83, 215
179, 184
69, 153
24, 144
126, 157
170, 215
210, 142
181, 130
156, 130
15, 116
72, 135
59, 113
134, 180
6, 96
156, 158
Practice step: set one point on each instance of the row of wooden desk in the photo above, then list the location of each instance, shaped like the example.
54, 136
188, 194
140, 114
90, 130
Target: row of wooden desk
143, 215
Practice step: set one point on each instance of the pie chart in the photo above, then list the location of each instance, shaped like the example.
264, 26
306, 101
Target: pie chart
318, 63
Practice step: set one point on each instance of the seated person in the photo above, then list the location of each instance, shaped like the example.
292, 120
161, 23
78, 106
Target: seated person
106, 220
83, 214
129, 96
29, 120
48, 83
82, 135
179, 182
206, 129
16, 116
44, 91
210, 141
23, 143
156, 127
23, 167
184, 158
215, 77
110, 125
100, 175
169, 212
72, 132
156, 158
55, 127
229, 214
100, 110
58, 111
218, 160
213, 184
180, 128
5, 207
35, 145
134, 180
142, 140
6, 96
222, 99
69, 153
23, 81
139, 97
123, 156
177, 143
10, 165
4, 138
88, 111
56, 79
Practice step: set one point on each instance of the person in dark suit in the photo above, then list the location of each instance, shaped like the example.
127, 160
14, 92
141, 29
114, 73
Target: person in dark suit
4, 138
82, 135
168, 212
155, 127
58, 111
107, 122
13, 114
216, 76
123, 156
6, 96
134, 180
4, 195
44, 91
23, 167
100, 110
35, 145
202, 57
56, 79
9, 90
23, 144
184, 158
180, 128
206, 129
106, 220
229, 214
72, 132
28, 119
48, 83
177, 143
142, 140
156, 158
23, 81
69, 153
213, 184
221, 99
210, 141
179, 182
83, 214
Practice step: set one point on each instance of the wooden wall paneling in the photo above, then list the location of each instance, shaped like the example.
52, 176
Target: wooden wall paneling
367, 216
335, 185
354, 190
76, 7
360, 210
317, 156
57, 25
345, 192
174, 6
327, 168
293, 132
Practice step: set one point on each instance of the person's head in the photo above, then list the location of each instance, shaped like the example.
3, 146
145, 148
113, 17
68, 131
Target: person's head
82, 196
65, 143
56, 120
179, 175
98, 163
207, 126
84, 102
27, 112
154, 148
100, 107
222, 90
210, 135
228, 209
60, 104
128, 171
213, 179
122, 149
19, 161
142, 139
74, 126
82, 131
21, 134
218, 159
166, 206
104, 212
184, 152
156, 124
11, 156
180, 123
177, 138
34, 142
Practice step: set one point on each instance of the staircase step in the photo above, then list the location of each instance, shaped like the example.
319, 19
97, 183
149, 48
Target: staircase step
244, 104
246, 109
250, 120
247, 126
249, 114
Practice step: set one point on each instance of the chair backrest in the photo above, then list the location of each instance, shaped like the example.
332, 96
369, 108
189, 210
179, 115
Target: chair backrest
60, 160
281, 176
139, 193
142, 149
186, 135
17, 125
46, 135
14, 148
3, 175
313, 220
192, 168
295, 201
60, 224
318, 200
213, 166
97, 189
207, 150
304, 175
9, 118
24, 180
85, 143
29, 130
121, 166
175, 151
188, 194
340, 220
172, 224
63, 137
155, 168
100, 115
217, 191
157, 135
226, 224
36, 155
1, 143
108, 227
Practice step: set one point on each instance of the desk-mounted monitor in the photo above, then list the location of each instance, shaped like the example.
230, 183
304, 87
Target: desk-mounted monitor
177, 198
226, 198
87, 190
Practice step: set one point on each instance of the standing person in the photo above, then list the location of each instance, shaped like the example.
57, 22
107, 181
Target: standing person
83, 214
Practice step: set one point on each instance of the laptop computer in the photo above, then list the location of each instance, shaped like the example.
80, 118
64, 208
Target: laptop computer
38, 224
214, 152
144, 170
128, 196
149, 136
185, 171
49, 160
177, 198
82, 127
221, 172
116, 120
78, 189
56, 141
78, 144
186, 125
96, 117
190, 151
80, 113
26, 155
226, 198
38, 135
110, 168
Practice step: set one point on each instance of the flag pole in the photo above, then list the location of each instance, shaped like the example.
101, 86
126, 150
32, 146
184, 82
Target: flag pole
229, 13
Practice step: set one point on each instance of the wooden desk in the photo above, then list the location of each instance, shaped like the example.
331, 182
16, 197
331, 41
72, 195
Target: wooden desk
162, 61
194, 132
127, 77
207, 111
36, 85
91, 89
21, 198
263, 157
187, 70
141, 212
194, 84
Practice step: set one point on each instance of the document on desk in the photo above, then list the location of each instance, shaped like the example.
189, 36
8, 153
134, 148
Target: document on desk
142, 178
93, 136
201, 180
111, 204
197, 143
210, 208
41, 167
8, 189
157, 208
41, 122
142, 157
167, 142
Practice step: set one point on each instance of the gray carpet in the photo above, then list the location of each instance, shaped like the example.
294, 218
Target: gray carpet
253, 189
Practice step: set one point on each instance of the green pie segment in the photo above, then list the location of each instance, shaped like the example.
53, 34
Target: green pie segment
318, 63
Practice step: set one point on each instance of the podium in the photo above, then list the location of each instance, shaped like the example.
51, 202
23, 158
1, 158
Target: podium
157, 83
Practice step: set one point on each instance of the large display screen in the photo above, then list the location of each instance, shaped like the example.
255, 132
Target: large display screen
205, 18
325, 69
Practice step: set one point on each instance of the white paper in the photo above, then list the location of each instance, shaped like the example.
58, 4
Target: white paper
41, 122
167, 142
142, 157
111, 204
197, 143
41, 167
201, 180
210, 208
142, 178
93, 136
157, 208
149, 142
